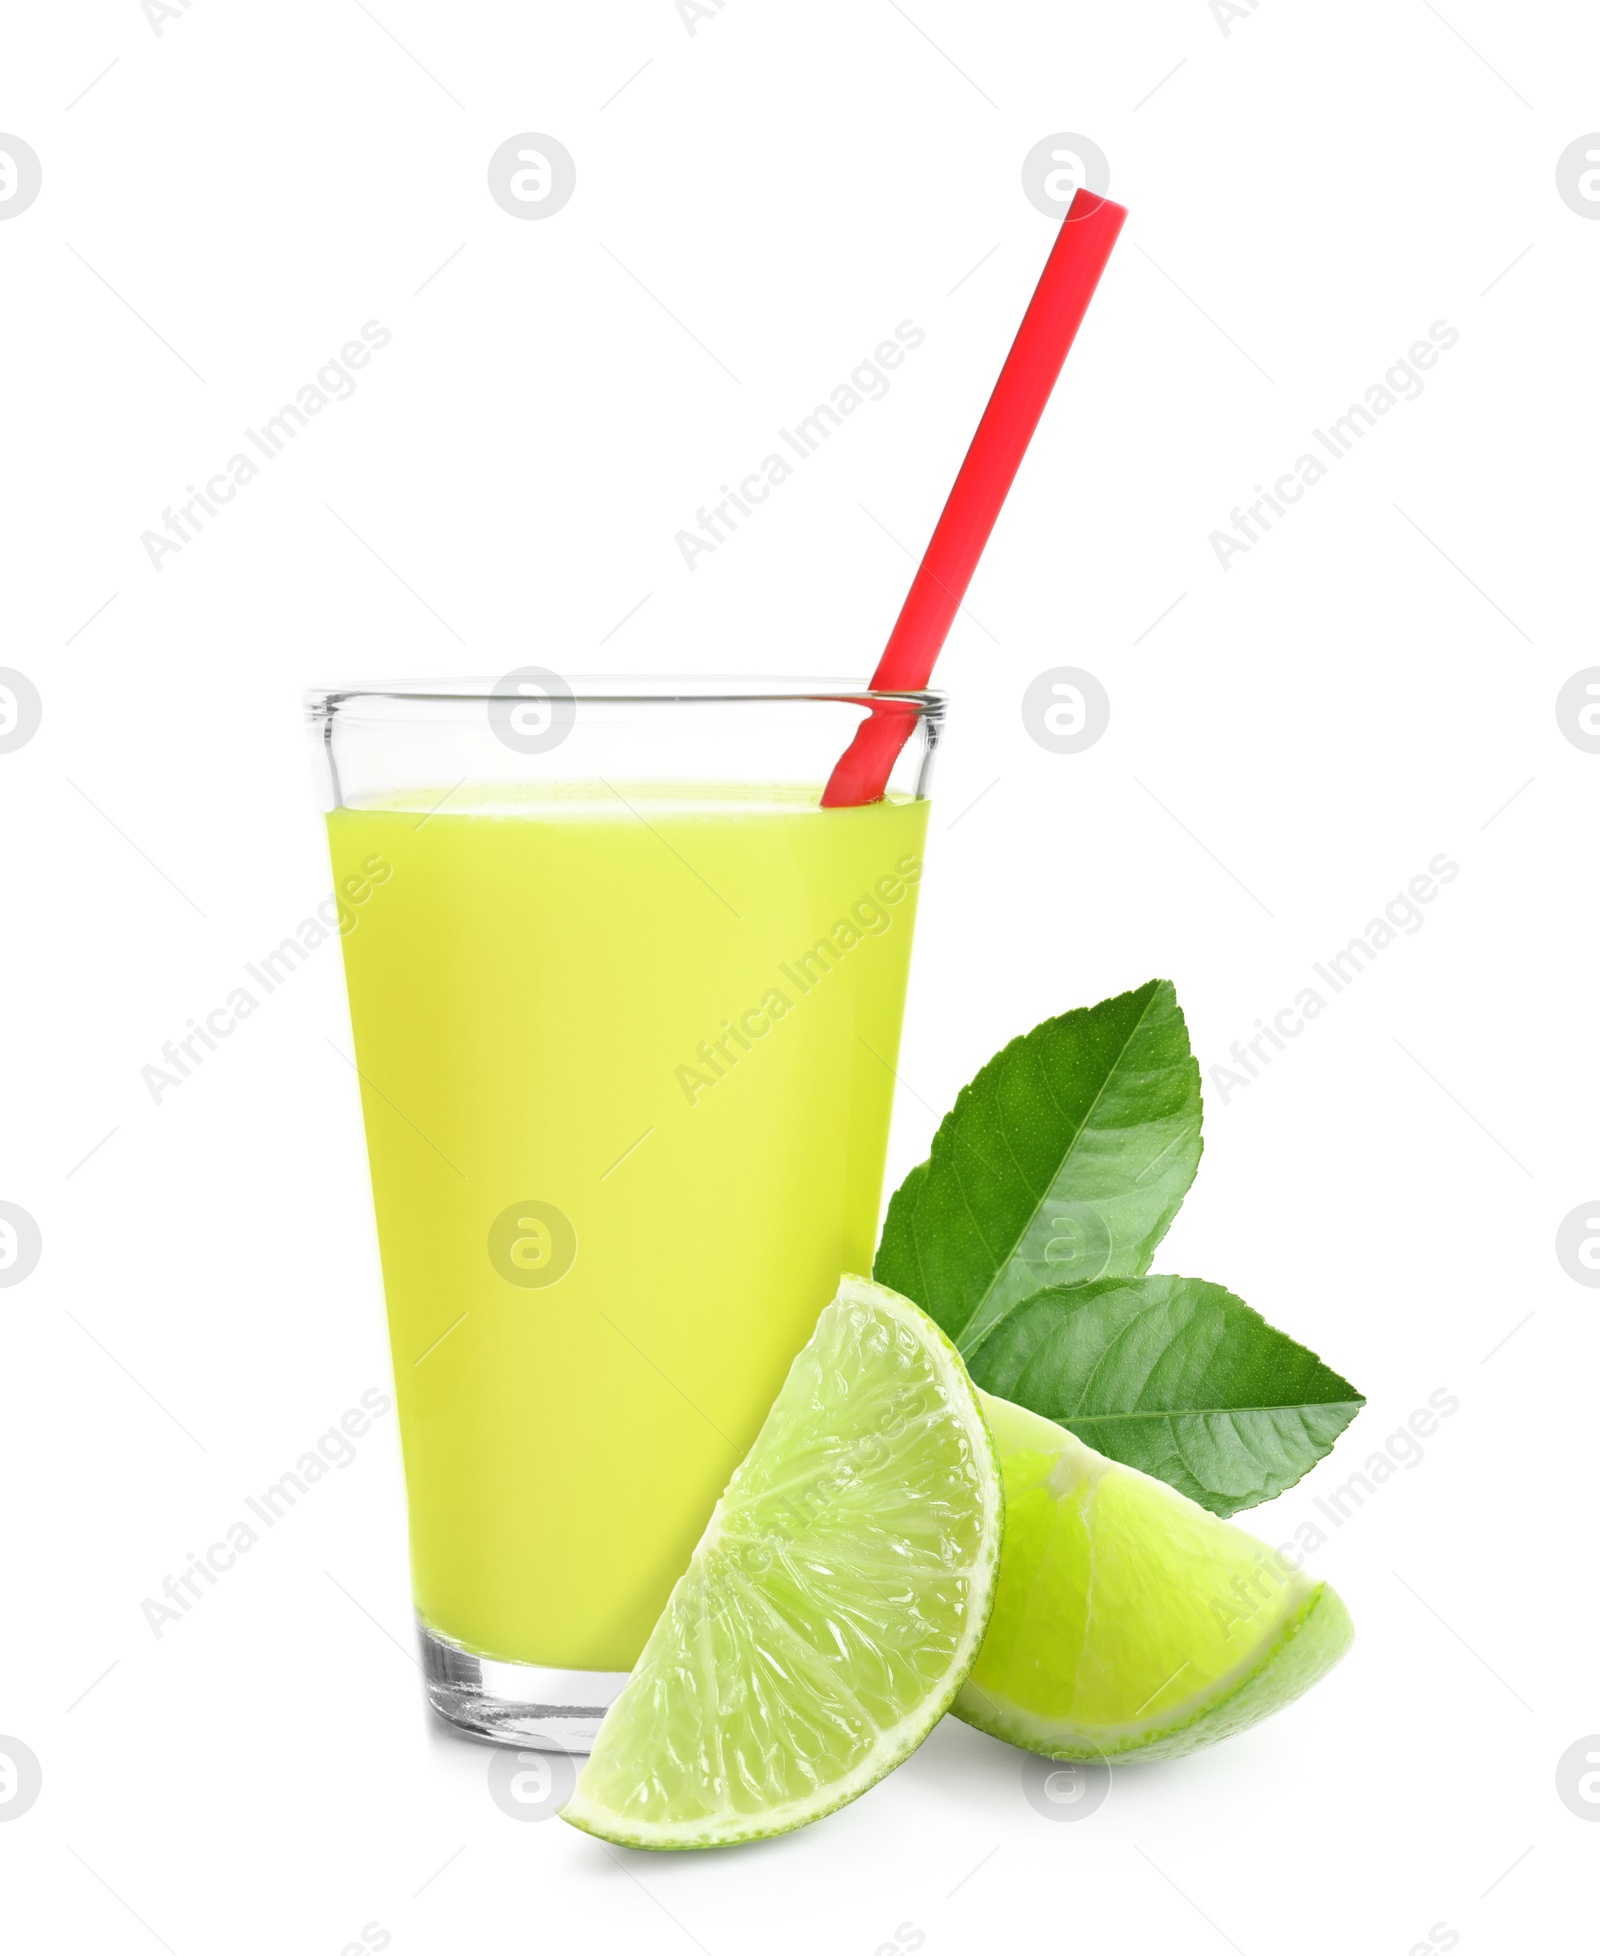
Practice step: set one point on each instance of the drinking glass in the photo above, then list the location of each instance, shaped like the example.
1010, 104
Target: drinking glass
626, 1003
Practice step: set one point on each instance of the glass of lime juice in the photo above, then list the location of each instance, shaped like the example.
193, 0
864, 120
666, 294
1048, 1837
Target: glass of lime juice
626, 1004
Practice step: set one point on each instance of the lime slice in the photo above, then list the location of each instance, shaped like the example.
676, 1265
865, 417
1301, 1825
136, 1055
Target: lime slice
833, 1607
1128, 1621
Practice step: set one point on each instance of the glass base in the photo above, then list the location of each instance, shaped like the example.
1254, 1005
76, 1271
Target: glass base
515, 1704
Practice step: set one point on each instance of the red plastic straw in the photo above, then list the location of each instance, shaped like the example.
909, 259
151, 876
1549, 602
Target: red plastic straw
1043, 340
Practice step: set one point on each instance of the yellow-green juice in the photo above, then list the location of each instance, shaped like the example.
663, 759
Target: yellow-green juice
670, 1016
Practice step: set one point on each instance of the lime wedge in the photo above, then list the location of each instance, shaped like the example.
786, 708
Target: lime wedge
1128, 1621
833, 1607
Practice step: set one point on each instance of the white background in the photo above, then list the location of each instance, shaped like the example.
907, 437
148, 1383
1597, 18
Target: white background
1373, 684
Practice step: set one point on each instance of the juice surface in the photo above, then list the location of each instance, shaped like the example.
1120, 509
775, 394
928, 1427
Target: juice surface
639, 1040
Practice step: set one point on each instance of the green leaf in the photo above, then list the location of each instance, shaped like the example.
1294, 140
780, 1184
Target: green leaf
1065, 1159
1174, 1376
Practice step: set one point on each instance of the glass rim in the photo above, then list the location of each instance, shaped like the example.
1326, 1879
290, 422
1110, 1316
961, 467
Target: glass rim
638, 689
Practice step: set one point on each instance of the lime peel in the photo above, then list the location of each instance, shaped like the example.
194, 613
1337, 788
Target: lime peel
1129, 1622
